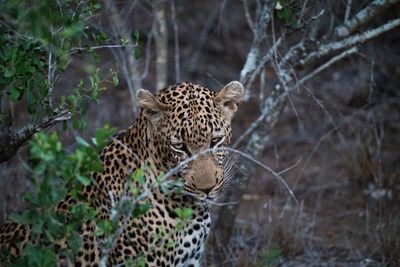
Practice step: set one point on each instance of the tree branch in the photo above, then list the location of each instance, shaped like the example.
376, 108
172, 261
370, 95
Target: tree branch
362, 17
248, 17
125, 57
176, 41
161, 41
255, 53
328, 64
10, 144
353, 40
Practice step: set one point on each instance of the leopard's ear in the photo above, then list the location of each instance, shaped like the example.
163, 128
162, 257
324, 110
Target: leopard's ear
229, 97
150, 106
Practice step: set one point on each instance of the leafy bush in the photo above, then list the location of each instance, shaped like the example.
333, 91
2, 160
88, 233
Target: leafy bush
54, 173
36, 44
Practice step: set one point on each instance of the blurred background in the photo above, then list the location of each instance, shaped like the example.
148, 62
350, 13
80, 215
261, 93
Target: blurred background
321, 110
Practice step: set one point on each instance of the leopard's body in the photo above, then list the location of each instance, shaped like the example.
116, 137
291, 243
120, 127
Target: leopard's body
175, 124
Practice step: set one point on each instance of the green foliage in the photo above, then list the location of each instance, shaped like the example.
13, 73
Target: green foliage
285, 11
270, 257
141, 209
54, 173
36, 257
184, 214
102, 136
140, 261
168, 185
36, 44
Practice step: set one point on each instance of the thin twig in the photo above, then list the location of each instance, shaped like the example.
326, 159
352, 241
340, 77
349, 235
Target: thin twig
76, 49
255, 54
290, 167
348, 10
303, 10
50, 77
328, 64
148, 51
172, 171
248, 17
176, 42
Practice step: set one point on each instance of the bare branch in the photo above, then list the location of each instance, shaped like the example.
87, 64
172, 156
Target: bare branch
126, 12
255, 53
10, 144
161, 41
50, 78
125, 57
362, 17
248, 17
255, 69
303, 9
76, 49
348, 10
353, 40
148, 51
328, 64
176, 40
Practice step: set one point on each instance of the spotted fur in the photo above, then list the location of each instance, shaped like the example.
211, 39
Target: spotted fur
175, 124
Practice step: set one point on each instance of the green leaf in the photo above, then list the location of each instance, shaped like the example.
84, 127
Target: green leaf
15, 94
75, 122
97, 166
184, 213
141, 261
136, 35
95, 94
31, 69
22, 218
82, 141
270, 257
102, 135
9, 72
74, 30
37, 256
74, 242
124, 41
37, 227
32, 107
83, 179
138, 175
141, 209
115, 79
105, 227
283, 13
137, 54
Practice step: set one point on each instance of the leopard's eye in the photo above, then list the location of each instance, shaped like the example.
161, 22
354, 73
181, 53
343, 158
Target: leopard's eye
217, 141
178, 146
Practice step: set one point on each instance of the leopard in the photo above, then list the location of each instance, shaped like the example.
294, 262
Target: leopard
183, 127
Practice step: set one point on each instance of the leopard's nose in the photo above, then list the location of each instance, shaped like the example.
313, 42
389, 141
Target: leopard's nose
207, 190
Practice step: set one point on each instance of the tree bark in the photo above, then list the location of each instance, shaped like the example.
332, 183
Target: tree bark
161, 41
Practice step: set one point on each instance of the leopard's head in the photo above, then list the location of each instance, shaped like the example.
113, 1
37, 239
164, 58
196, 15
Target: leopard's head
184, 122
